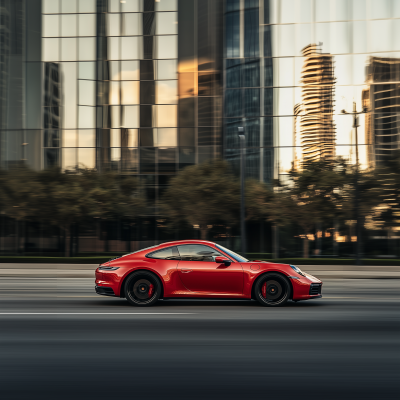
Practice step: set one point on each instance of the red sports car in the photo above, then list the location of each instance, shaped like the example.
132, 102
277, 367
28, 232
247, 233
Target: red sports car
201, 269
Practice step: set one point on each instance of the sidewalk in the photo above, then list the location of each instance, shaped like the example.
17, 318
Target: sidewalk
87, 271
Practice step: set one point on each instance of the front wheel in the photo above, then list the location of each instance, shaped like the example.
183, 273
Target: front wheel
142, 289
272, 290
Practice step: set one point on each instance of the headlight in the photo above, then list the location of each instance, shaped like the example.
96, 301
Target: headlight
108, 268
298, 270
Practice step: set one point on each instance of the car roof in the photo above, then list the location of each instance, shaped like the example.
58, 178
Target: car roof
178, 242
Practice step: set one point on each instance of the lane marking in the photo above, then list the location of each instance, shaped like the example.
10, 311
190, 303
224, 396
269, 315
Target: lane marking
89, 313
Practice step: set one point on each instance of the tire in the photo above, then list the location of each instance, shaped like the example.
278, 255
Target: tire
272, 290
142, 289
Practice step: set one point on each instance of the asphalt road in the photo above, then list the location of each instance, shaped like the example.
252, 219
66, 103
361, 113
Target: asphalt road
58, 340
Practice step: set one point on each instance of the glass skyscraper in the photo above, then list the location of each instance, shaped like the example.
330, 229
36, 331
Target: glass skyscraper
147, 87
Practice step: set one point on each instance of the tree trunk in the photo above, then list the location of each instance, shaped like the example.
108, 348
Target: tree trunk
71, 241
275, 232
203, 233
335, 243
305, 247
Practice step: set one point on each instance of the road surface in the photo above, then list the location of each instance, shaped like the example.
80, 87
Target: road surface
59, 340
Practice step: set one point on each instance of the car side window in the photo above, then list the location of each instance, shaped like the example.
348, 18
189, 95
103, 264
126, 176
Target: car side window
197, 252
170, 253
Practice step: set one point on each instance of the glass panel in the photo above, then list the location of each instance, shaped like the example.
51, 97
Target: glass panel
130, 92
286, 40
288, 11
251, 33
113, 70
147, 160
132, 24
69, 158
166, 160
51, 25
186, 156
114, 93
253, 132
232, 73
323, 35
148, 137
232, 34
113, 25
87, 70
87, 6
381, 9
233, 103
167, 46
130, 118
130, 48
87, 138
129, 138
286, 71
113, 6
68, 49
205, 111
129, 160
51, 50
167, 69
167, 92
130, 6
115, 156
87, 117
341, 10
87, 93
251, 72
69, 89
197, 252
68, 25
340, 37
87, 49
166, 5
86, 158
167, 116
115, 116
167, 137
303, 37
381, 38
285, 101
113, 48
306, 9
51, 158
359, 9
252, 102
166, 23
343, 70
360, 37
87, 25
50, 6
130, 70
322, 11
68, 6
69, 138
115, 137
186, 136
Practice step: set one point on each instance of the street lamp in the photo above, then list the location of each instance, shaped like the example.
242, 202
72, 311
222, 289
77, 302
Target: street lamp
355, 114
242, 139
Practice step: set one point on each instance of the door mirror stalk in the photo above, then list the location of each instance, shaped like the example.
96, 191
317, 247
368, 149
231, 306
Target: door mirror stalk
223, 260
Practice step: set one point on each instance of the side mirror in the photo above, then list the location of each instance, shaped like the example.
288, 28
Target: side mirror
223, 260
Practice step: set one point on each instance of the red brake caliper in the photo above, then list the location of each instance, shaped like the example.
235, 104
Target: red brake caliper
264, 290
151, 290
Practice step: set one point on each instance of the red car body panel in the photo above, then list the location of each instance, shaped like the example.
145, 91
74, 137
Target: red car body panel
201, 279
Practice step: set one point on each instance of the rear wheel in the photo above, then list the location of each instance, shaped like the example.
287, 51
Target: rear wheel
142, 289
272, 290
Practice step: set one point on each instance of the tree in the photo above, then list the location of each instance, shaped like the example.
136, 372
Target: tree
202, 194
316, 195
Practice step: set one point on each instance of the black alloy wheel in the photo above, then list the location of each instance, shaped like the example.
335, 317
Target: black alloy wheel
272, 290
142, 289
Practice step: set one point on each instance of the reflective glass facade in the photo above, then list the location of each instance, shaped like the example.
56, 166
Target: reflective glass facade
147, 87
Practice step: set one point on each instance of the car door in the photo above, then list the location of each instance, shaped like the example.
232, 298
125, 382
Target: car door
200, 273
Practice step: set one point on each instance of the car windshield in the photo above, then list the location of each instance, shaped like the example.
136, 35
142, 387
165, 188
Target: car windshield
231, 253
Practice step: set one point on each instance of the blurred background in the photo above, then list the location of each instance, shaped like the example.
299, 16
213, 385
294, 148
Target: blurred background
141, 91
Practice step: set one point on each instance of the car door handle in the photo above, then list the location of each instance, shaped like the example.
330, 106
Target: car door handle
186, 271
